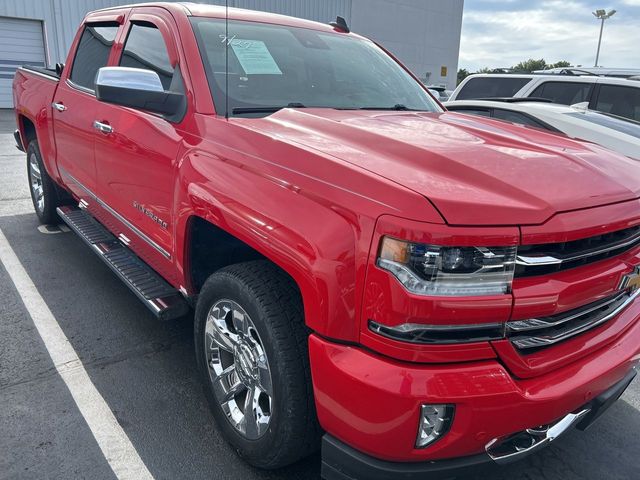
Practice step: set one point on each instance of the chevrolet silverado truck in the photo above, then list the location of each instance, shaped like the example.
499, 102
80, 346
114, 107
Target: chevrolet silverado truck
415, 291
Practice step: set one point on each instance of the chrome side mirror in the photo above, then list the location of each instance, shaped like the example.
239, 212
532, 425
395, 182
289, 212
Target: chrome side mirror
136, 88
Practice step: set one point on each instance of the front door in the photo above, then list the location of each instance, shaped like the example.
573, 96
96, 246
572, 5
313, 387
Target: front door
136, 159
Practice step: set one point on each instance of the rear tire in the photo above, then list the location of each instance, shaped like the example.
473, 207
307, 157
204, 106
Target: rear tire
259, 299
44, 193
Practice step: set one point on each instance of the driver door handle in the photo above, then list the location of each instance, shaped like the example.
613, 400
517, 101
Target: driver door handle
59, 106
103, 127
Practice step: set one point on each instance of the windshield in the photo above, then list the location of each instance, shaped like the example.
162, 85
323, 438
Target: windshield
275, 66
627, 127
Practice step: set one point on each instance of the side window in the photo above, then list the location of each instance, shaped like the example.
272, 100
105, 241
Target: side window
145, 48
92, 53
516, 117
472, 111
491, 87
566, 93
619, 101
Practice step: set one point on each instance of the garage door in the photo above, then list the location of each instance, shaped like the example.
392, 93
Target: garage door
21, 43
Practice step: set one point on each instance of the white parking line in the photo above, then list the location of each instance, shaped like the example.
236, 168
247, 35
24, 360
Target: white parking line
112, 440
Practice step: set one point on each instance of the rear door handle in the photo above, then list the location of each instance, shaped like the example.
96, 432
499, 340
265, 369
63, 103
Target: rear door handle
59, 106
103, 127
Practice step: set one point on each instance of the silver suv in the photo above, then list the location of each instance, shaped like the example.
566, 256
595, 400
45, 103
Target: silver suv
619, 97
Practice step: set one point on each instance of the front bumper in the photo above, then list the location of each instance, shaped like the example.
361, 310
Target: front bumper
341, 462
372, 403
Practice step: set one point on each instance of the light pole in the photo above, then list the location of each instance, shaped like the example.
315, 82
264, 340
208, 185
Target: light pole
602, 15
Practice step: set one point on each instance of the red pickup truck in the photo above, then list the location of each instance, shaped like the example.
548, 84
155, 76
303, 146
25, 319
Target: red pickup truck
415, 290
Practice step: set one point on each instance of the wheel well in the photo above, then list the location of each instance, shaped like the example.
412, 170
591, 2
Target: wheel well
28, 130
211, 248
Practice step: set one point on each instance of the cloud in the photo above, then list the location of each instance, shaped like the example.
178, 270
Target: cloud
501, 33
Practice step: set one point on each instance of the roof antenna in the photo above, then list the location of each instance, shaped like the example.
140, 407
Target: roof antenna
226, 59
340, 24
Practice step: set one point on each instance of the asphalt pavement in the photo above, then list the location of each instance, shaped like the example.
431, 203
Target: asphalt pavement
145, 372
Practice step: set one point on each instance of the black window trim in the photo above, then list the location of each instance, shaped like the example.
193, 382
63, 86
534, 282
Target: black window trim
71, 83
147, 23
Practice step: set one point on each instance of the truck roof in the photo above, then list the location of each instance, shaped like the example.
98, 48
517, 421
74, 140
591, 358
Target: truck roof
219, 11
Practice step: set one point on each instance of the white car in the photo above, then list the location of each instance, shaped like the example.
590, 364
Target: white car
617, 96
577, 121
600, 71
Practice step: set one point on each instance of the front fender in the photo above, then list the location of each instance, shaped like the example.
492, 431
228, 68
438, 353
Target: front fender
315, 244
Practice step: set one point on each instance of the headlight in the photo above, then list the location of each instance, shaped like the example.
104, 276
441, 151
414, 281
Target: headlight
448, 271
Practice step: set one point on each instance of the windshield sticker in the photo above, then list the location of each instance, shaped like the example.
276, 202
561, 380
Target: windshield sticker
254, 57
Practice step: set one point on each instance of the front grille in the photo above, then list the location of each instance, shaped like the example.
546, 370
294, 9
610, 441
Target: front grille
555, 257
535, 333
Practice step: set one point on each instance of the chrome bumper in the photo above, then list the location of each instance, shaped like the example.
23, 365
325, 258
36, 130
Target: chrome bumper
514, 447
523, 444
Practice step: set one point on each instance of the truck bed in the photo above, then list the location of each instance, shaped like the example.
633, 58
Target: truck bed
33, 92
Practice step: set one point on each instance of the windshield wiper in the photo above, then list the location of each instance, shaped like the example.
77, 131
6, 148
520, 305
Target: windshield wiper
241, 110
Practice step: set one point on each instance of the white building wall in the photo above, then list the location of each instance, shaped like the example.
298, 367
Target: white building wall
424, 34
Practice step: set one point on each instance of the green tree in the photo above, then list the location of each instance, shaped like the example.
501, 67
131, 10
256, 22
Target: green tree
561, 64
462, 74
530, 65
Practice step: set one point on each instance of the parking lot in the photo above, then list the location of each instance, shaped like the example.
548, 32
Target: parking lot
144, 371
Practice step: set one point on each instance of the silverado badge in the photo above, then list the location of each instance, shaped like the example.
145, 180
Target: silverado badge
150, 214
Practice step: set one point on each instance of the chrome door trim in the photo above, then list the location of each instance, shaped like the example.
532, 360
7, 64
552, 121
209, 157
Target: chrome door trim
33, 72
113, 212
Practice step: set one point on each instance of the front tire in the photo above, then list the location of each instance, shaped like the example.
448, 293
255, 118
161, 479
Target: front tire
44, 193
251, 349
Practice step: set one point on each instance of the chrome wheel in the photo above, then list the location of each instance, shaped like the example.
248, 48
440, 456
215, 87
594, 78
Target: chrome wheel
238, 368
35, 180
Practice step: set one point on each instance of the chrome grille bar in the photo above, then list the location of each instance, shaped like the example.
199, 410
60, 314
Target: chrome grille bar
542, 259
559, 330
557, 320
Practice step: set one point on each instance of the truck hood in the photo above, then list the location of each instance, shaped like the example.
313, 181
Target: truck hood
475, 171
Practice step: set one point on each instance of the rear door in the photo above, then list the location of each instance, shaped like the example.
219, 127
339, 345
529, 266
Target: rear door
136, 161
74, 106
619, 100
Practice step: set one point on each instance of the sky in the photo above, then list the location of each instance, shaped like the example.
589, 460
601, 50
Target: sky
501, 33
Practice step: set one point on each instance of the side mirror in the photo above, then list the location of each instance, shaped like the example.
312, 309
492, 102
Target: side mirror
136, 88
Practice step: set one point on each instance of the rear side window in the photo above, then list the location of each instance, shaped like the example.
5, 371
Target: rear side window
93, 53
145, 48
516, 117
472, 111
491, 87
619, 101
566, 93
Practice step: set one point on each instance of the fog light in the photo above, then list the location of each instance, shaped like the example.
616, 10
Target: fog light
435, 421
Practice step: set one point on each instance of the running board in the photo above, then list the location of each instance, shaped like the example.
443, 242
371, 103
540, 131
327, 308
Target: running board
161, 298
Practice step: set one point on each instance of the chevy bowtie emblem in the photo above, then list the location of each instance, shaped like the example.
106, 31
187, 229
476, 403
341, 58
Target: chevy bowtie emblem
631, 281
